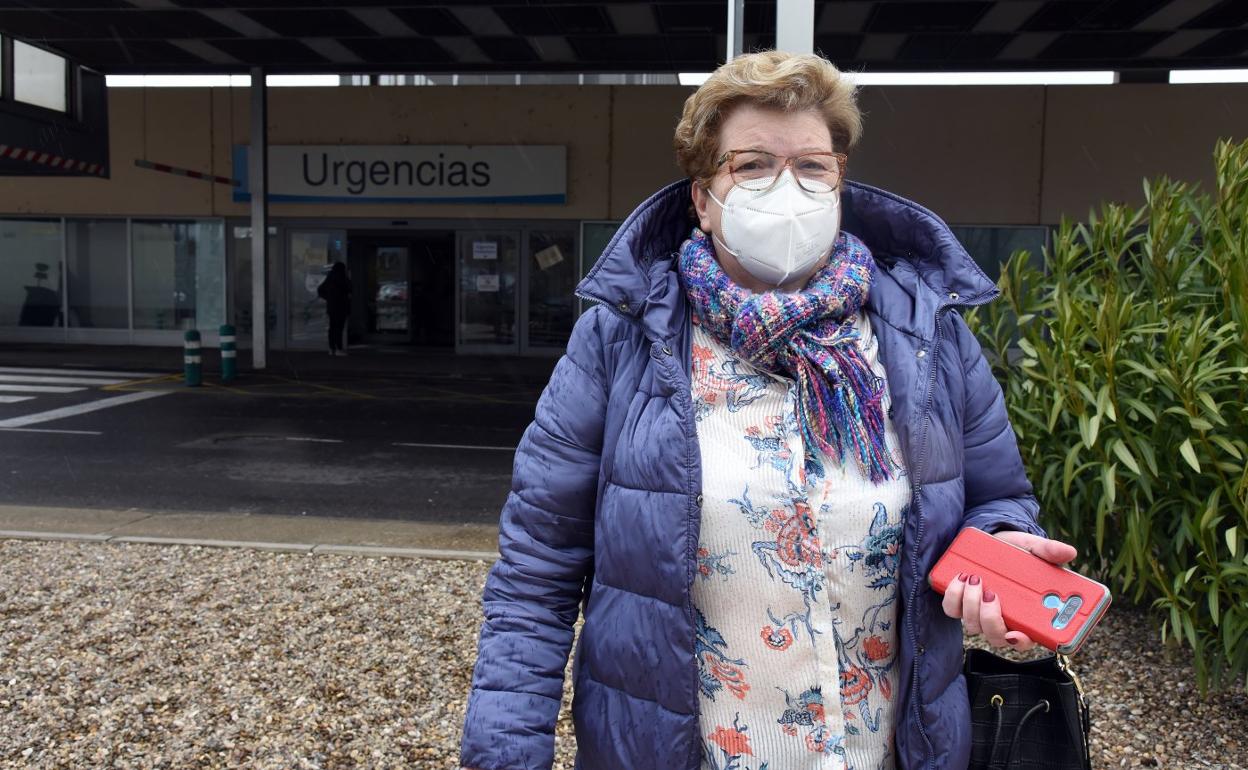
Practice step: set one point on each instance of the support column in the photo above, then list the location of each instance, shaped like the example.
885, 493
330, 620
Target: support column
795, 26
258, 184
736, 28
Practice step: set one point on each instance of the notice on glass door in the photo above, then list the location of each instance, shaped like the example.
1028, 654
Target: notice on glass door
485, 250
548, 257
487, 282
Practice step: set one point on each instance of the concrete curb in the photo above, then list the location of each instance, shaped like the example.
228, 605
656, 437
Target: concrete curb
305, 548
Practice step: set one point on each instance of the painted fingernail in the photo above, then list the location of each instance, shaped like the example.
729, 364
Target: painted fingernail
989, 596
1011, 641
973, 580
961, 576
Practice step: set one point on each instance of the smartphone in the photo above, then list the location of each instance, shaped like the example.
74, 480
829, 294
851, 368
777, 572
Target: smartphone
1055, 606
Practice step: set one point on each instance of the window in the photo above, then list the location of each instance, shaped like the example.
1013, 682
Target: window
991, 246
179, 275
552, 283
39, 77
96, 274
30, 261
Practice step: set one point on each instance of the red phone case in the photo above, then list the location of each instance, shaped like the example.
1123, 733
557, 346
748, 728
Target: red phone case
1054, 606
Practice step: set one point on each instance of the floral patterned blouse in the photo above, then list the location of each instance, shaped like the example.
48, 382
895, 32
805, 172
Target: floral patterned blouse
796, 597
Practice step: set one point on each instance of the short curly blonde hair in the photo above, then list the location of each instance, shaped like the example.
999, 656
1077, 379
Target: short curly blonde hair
782, 81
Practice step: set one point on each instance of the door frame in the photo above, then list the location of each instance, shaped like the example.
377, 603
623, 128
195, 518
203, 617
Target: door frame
289, 232
369, 241
465, 236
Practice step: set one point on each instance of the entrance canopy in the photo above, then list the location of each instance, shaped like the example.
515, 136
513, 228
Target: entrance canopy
196, 36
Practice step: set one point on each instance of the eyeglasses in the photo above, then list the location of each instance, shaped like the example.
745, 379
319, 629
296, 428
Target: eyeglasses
757, 170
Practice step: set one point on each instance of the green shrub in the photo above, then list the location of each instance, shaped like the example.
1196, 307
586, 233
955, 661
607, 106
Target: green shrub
1125, 369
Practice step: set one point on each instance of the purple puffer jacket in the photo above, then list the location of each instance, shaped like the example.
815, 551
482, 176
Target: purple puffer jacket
604, 509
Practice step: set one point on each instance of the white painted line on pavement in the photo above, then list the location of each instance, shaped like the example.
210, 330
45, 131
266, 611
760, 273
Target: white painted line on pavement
57, 380
53, 430
314, 440
14, 399
76, 409
456, 446
81, 372
38, 388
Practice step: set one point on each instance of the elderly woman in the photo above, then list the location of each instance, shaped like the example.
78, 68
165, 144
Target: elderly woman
759, 442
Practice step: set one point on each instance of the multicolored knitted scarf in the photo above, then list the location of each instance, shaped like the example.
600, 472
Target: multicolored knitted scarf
808, 335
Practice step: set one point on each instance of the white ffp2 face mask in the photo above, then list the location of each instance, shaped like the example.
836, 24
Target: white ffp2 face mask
780, 233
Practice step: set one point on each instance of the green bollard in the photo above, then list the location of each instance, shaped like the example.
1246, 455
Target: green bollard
192, 362
229, 354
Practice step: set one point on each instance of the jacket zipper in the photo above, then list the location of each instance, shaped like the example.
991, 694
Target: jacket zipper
914, 559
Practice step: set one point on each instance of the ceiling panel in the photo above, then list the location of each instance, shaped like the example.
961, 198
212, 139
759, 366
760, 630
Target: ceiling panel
1227, 43
908, 17
508, 50
1097, 45
277, 52
430, 21
952, 48
398, 51
110, 25
1228, 13
322, 23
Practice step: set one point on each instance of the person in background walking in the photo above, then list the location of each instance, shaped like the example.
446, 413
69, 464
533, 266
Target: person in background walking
336, 291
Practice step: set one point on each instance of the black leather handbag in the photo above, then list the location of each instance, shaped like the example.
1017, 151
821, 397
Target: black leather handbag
1026, 716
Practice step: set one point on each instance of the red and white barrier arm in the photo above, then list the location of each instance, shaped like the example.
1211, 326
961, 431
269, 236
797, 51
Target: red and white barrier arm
186, 172
50, 160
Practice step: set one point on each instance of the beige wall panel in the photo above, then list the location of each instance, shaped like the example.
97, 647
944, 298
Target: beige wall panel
972, 155
1102, 142
174, 125
643, 121
567, 115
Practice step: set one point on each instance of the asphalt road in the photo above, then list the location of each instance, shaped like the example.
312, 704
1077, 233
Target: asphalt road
422, 449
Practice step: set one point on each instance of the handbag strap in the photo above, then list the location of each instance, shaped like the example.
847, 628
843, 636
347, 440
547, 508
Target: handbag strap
1041, 705
998, 703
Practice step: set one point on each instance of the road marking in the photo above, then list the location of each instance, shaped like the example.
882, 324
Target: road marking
314, 440
79, 372
53, 430
38, 389
76, 409
14, 399
58, 380
457, 446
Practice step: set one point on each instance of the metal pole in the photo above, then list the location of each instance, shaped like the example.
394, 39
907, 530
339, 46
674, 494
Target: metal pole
736, 28
258, 185
795, 26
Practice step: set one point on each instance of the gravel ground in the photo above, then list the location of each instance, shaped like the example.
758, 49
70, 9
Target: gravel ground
135, 656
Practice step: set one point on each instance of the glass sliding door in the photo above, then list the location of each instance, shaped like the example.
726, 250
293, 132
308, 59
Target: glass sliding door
488, 272
385, 290
551, 286
310, 255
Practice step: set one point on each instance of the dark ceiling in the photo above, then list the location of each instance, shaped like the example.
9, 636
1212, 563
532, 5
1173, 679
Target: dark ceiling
150, 36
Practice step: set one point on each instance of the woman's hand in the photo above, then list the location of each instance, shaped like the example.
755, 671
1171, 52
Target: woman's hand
970, 599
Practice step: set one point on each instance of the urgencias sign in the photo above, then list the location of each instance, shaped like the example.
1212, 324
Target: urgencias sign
444, 173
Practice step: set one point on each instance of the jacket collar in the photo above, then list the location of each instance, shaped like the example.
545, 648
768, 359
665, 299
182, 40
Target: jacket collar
923, 267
